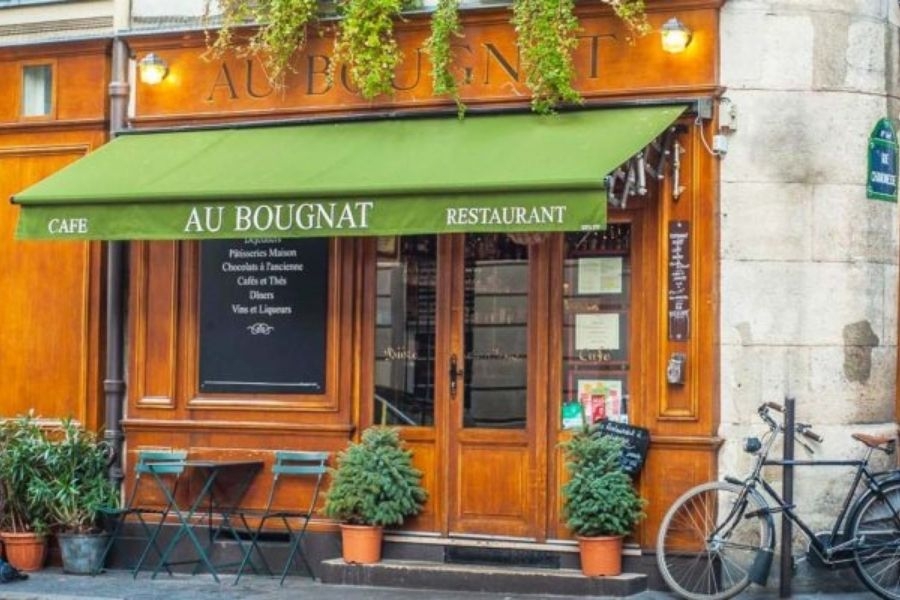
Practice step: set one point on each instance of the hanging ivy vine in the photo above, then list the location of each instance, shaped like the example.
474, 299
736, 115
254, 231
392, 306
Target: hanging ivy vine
546, 31
365, 43
633, 14
283, 30
445, 26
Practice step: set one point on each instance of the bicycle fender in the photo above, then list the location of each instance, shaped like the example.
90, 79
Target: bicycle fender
888, 477
891, 480
762, 562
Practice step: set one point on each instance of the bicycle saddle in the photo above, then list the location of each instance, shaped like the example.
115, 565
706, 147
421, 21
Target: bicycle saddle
873, 441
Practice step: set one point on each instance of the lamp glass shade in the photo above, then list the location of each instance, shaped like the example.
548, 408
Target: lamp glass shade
675, 36
152, 69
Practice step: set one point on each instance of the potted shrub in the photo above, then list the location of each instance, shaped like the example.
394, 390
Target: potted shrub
79, 487
373, 485
23, 469
600, 504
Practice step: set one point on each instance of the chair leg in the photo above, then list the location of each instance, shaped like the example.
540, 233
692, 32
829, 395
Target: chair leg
101, 560
295, 551
254, 545
152, 538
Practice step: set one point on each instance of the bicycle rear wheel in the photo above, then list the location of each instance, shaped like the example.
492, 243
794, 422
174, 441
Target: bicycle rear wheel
706, 545
876, 529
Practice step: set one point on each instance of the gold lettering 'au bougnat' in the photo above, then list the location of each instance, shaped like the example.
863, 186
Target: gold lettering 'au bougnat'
272, 218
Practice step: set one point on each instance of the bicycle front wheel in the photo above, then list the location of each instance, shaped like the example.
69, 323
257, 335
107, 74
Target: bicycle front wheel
706, 544
876, 531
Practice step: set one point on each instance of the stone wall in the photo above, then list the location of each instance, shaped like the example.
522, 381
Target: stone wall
809, 266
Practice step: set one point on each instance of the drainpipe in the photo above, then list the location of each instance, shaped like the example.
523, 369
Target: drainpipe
114, 381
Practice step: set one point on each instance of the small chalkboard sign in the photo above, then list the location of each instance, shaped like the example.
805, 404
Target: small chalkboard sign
636, 442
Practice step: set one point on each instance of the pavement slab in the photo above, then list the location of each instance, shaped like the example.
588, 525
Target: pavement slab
53, 584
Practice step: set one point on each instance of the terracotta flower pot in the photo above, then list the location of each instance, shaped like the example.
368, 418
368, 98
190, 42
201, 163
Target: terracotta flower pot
25, 551
601, 556
361, 544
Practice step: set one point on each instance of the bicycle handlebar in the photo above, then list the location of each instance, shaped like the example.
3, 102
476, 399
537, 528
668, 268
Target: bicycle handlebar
812, 435
804, 429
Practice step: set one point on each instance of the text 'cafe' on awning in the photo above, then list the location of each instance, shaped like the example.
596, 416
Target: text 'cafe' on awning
302, 264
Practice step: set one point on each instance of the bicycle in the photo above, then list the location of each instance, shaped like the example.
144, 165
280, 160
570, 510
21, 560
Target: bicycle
719, 537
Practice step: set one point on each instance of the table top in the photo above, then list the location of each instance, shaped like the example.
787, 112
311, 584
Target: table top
211, 463
222, 462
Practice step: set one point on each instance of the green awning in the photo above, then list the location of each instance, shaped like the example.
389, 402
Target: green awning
500, 173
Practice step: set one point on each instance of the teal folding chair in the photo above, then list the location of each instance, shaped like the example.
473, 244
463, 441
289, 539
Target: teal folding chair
288, 464
167, 465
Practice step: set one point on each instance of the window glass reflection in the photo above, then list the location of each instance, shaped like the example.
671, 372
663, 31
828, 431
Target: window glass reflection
496, 332
404, 330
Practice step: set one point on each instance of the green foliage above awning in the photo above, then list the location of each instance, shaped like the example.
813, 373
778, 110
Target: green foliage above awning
429, 175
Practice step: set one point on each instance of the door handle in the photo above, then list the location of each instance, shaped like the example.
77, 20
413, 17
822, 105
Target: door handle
455, 372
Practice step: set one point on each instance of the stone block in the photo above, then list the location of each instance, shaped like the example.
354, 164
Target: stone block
848, 227
891, 300
866, 8
814, 376
864, 56
766, 221
791, 303
752, 375
793, 137
762, 50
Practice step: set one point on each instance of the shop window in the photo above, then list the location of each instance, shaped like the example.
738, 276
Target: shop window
495, 323
596, 304
37, 90
406, 302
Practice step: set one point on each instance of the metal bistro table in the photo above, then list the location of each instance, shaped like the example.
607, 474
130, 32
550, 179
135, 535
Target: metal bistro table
225, 481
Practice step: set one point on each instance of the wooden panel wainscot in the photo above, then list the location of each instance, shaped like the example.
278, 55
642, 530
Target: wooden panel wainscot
52, 344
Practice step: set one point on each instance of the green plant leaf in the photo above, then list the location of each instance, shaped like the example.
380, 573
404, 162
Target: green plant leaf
374, 482
599, 498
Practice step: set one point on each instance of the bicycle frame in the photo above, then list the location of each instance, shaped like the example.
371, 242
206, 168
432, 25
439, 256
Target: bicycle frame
826, 550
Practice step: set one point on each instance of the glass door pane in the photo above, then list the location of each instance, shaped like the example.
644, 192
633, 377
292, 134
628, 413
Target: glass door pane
495, 325
405, 330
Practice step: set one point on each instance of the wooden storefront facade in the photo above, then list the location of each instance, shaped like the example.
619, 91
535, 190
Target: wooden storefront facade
480, 303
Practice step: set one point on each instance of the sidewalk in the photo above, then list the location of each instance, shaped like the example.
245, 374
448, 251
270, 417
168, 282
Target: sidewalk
53, 584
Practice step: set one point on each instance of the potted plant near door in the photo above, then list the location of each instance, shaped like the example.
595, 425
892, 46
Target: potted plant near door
23, 469
373, 485
600, 503
79, 488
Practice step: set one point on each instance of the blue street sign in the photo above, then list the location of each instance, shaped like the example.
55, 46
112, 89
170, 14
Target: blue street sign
881, 176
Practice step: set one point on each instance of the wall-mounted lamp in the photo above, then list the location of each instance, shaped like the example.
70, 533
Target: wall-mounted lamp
675, 36
152, 69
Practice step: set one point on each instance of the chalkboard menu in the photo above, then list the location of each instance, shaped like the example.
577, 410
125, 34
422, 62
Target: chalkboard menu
636, 443
263, 315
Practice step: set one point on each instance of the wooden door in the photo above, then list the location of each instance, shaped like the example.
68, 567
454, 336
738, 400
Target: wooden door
494, 485
455, 370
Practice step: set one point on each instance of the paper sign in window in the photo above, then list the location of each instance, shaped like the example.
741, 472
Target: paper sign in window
601, 275
597, 331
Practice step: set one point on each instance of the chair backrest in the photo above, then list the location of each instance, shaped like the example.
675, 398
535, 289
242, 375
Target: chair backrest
289, 462
294, 463
161, 462
164, 463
